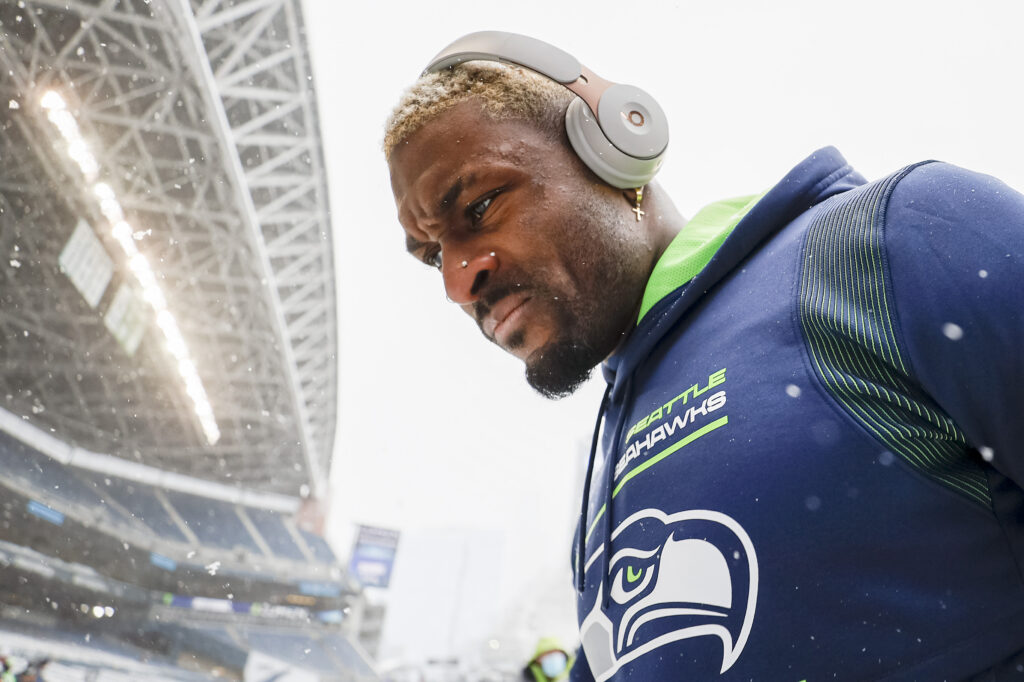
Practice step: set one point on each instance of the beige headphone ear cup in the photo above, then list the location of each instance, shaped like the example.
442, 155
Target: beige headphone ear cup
633, 121
607, 161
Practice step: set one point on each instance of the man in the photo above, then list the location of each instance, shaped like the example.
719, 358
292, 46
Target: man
811, 448
550, 662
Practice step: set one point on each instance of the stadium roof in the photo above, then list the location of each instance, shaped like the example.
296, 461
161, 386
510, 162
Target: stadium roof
165, 237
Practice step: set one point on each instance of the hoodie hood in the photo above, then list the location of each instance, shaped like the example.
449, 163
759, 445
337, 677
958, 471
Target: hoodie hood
716, 240
707, 249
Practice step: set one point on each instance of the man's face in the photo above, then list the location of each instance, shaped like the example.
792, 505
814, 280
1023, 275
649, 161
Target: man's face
538, 252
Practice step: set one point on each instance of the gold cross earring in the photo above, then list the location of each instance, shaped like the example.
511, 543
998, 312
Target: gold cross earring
636, 209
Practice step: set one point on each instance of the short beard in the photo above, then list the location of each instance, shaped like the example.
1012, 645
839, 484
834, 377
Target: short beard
560, 368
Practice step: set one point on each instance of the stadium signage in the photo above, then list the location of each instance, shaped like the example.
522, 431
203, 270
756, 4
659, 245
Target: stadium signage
373, 556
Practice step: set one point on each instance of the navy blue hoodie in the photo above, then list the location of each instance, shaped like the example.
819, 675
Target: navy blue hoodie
811, 452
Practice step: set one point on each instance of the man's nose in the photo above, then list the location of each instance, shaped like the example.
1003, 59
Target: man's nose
464, 278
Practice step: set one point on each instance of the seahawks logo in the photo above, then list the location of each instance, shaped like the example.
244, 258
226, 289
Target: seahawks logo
697, 577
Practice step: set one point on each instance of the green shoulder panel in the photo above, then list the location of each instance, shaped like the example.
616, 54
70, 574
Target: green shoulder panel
693, 248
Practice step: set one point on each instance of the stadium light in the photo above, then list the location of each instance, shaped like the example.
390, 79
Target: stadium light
122, 232
78, 150
52, 100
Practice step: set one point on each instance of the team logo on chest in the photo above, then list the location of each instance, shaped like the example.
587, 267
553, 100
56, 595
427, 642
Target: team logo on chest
694, 575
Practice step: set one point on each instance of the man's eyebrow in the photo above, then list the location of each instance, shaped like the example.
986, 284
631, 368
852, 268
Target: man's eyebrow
450, 196
411, 243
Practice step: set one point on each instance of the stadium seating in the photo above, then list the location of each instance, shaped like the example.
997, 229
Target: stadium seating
141, 501
271, 527
32, 469
215, 523
319, 547
76, 521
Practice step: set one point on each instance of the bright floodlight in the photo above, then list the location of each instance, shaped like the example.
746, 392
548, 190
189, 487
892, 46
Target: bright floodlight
122, 232
78, 151
103, 191
51, 100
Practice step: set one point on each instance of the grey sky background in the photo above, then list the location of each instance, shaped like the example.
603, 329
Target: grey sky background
438, 434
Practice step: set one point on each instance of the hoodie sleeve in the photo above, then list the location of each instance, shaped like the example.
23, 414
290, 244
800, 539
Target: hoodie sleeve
955, 246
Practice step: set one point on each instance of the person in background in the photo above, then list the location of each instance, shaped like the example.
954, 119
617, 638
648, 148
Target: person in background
550, 662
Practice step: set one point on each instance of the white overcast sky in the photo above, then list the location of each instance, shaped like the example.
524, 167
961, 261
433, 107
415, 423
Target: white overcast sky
437, 430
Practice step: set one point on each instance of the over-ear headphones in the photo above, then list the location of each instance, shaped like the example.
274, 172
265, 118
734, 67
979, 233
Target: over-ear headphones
619, 131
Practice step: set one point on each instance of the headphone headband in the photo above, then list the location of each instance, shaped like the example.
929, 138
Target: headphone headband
621, 133
498, 46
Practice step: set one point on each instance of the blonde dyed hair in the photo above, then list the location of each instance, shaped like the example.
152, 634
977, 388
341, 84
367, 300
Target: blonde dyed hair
504, 91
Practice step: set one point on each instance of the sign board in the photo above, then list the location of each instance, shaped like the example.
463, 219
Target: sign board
373, 556
126, 318
86, 263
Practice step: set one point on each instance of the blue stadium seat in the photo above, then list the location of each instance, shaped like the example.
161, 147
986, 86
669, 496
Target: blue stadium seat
141, 501
19, 462
271, 526
214, 522
321, 550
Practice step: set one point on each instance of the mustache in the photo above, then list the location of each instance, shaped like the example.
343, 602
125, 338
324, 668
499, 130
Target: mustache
492, 296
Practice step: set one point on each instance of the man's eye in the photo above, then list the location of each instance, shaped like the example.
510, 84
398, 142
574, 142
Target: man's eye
477, 209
